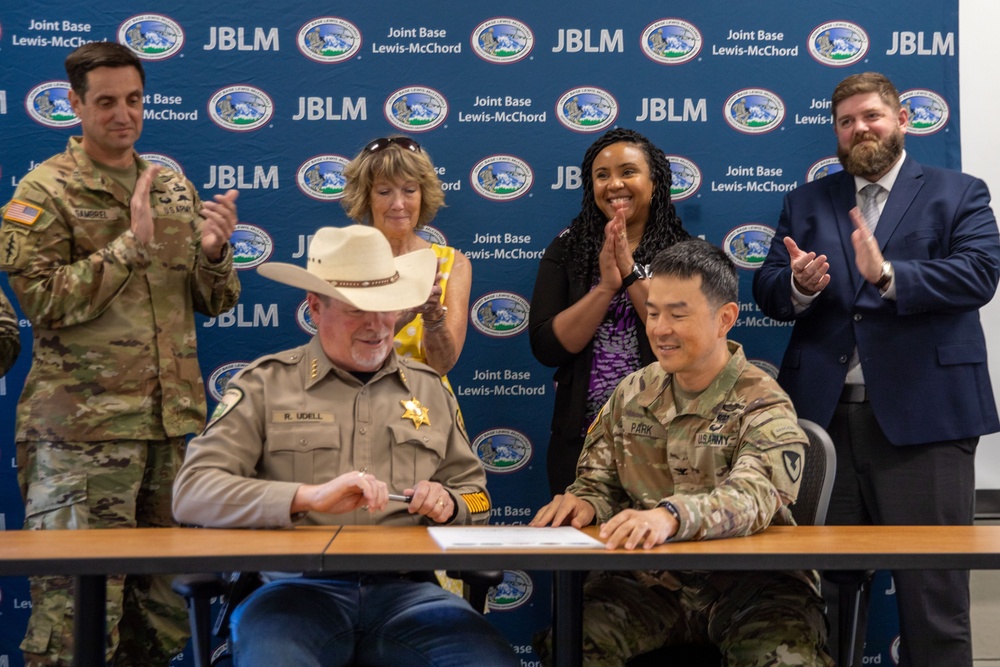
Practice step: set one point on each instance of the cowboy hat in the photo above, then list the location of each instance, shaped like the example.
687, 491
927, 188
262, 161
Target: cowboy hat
355, 265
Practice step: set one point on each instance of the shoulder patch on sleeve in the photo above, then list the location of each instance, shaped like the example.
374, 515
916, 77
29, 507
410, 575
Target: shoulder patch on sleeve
22, 212
477, 502
779, 432
229, 400
793, 464
600, 413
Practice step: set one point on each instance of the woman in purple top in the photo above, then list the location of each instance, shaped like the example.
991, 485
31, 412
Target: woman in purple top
588, 308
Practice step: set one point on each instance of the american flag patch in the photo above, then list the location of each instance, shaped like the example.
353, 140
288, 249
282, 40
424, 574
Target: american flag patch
23, 212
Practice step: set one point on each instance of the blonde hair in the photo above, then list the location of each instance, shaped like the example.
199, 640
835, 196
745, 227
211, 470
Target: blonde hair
392, 163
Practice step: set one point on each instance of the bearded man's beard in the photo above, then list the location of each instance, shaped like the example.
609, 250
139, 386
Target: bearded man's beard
870, 156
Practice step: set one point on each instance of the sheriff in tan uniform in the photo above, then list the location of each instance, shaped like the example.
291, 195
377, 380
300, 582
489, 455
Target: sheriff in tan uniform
322, 434
700, 445
295, 418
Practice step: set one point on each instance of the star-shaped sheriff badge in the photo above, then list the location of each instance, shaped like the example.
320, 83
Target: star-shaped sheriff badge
416, 412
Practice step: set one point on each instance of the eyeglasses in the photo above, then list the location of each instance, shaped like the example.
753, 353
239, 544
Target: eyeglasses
384, 142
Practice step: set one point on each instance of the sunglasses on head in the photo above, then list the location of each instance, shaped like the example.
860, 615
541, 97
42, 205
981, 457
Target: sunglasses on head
384, 142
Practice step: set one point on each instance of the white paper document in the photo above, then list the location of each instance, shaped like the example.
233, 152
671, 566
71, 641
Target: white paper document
520, 537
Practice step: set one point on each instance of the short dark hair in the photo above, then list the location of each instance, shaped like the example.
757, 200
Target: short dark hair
864, 83
698, 257
99, 54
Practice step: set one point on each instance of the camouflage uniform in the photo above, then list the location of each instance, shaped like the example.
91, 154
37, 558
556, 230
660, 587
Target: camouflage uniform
10, 337
114, 384
729, 463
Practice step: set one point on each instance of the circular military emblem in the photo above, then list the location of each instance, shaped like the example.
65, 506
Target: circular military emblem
416, 109
754, 111
765, 366
502, 40
240, 108
304, 319
587, 109
151, 36
431, 234
220, 377
501, 177
671, 41
251, 246
48, 104
163, 160
502, 450
500, 314
824, 167
512, 592
322, 177
838, 43
329, 40
685, 178
747, 245
928, 112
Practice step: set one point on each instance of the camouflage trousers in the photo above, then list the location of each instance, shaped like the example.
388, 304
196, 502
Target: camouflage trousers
111, 484
756, 619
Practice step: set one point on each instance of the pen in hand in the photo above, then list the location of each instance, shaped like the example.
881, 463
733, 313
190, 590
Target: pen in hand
402, 499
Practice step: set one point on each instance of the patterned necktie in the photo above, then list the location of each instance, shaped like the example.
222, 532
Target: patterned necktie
869, 209
869, 206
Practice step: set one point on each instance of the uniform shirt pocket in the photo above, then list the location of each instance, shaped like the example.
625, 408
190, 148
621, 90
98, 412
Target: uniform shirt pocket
302, 450
416, 454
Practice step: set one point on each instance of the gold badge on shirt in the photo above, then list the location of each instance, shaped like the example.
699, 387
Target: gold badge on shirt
416, 412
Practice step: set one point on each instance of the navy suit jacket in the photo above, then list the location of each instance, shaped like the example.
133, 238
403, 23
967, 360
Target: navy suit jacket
924, 353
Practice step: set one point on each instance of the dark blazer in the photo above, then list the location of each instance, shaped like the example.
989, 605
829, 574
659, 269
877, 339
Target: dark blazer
924, 353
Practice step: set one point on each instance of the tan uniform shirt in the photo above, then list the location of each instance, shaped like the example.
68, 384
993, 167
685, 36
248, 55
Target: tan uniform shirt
113, 319
294, 418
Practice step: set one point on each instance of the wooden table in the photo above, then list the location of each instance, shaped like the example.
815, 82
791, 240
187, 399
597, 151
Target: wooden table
777, 548
89, 555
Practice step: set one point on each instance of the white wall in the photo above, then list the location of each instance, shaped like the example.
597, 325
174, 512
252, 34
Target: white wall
980, 91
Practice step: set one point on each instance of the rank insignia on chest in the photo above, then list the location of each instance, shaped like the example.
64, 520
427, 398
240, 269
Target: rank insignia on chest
415, 411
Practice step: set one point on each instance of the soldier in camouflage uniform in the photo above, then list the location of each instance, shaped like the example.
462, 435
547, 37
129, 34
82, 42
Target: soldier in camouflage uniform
10, 339
109, 257
700, 445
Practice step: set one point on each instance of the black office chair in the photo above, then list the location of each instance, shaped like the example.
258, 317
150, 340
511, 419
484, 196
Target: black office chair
809, 509
199, 589
818, 471
853, 587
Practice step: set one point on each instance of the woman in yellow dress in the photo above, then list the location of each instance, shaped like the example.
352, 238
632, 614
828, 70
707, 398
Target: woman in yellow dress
392, 185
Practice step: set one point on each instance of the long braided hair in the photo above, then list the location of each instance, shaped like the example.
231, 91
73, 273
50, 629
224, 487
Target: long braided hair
586, 232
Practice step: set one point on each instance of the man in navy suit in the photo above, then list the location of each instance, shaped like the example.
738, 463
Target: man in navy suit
884, 285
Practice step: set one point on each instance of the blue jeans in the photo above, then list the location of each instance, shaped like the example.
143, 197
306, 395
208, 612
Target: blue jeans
364, 619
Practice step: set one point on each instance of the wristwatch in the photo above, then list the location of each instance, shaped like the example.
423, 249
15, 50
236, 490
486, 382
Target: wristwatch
886, 277
638, 273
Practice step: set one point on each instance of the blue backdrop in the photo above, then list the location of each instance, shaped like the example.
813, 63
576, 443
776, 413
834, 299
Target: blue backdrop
274, 101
